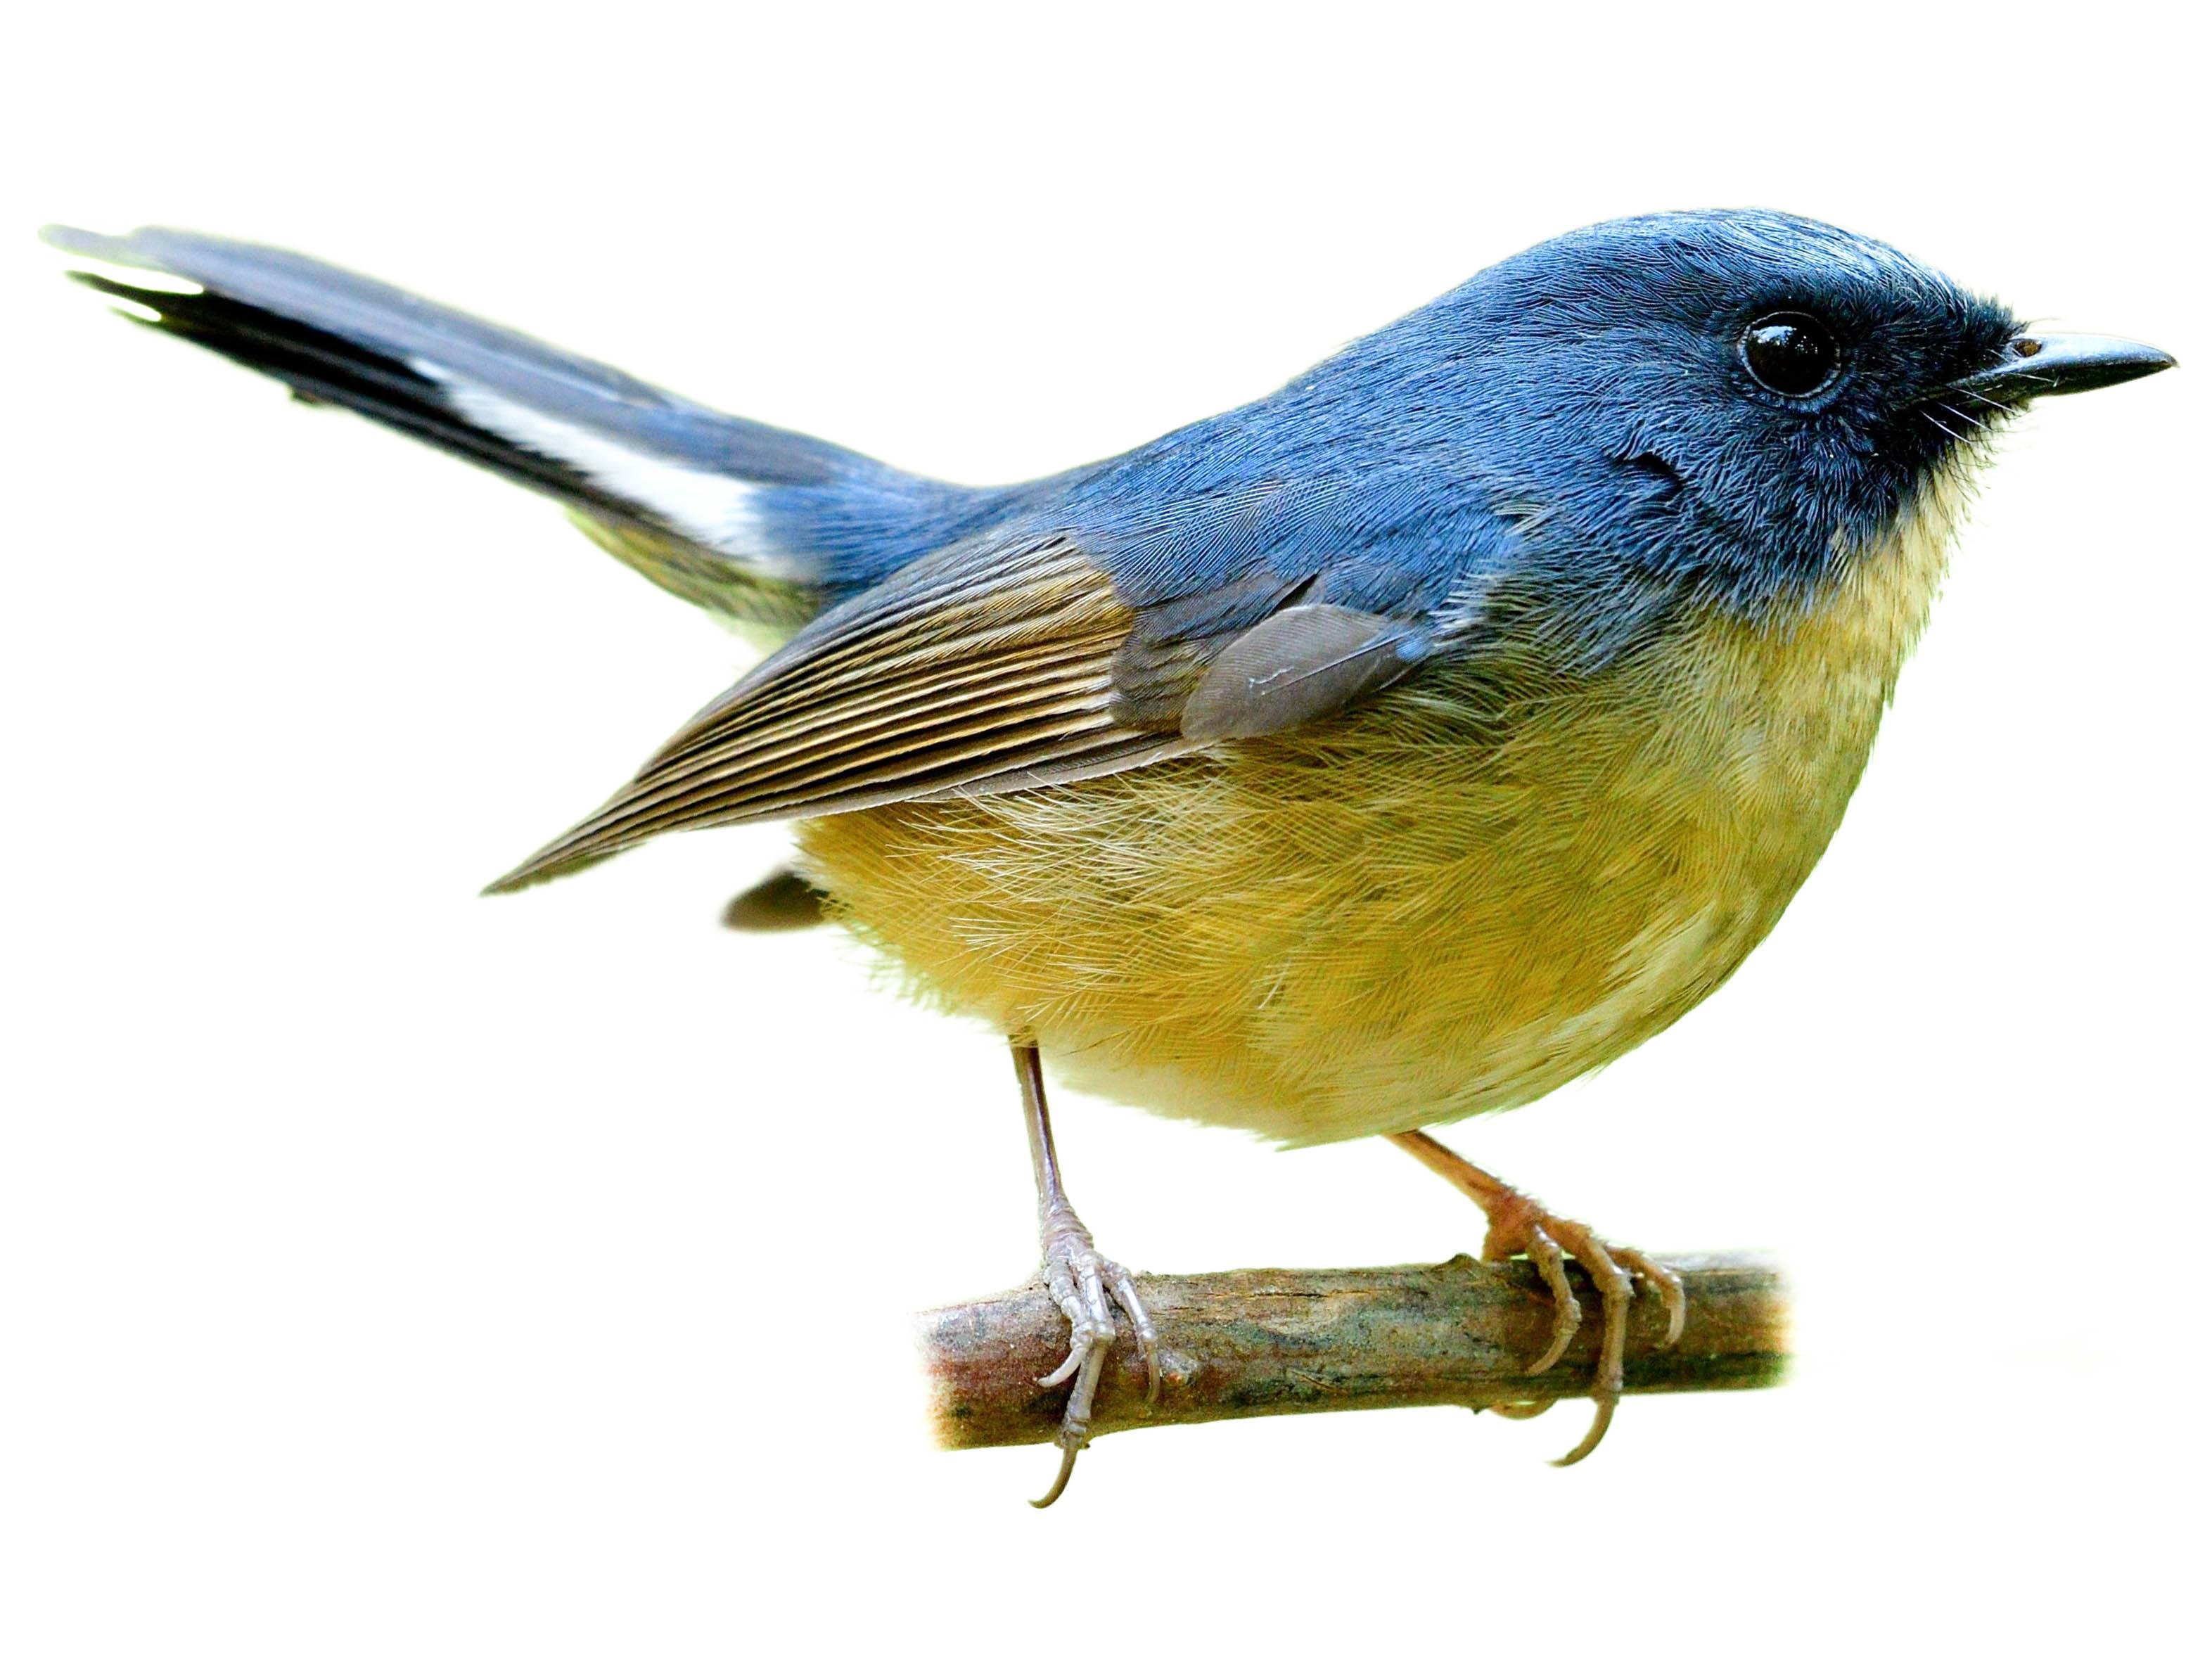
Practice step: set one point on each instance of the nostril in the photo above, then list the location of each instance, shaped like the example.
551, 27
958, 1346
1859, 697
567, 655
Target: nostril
2026, 347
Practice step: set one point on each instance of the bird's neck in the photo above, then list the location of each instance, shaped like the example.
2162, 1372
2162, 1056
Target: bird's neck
1843, 642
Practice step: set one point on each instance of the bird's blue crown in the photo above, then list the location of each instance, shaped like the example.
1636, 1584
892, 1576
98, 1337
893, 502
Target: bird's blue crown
1717, 405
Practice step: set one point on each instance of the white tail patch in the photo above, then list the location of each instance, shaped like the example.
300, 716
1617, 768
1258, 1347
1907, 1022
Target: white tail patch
706, 507
141, 277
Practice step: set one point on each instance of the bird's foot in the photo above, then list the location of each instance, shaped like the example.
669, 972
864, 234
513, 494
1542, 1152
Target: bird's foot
1086, 1284
1521, 1226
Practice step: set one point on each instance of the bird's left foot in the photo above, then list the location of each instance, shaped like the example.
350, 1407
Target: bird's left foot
1082, 1281
1521, 1226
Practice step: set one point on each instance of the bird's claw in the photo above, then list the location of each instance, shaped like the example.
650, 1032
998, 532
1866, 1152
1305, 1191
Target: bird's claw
1087, 1287
1520, 1411
1520, 1226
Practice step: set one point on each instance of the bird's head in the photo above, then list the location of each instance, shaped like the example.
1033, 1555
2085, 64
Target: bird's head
1740, 400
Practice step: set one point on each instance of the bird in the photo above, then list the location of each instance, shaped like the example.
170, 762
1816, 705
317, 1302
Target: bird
1385, 751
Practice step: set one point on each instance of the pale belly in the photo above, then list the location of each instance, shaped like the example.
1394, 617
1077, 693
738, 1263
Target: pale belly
1413, 913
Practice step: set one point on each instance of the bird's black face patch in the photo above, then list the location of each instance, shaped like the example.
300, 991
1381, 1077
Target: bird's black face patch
1736, 402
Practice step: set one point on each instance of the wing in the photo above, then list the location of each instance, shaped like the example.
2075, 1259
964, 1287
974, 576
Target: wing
1012, 664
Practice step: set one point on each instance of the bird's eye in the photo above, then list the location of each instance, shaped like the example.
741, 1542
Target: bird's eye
1790, 353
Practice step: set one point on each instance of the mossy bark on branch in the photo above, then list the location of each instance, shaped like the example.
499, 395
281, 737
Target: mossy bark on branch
1269, 1341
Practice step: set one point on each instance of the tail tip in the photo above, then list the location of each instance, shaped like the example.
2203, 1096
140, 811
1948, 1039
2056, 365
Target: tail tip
95, 245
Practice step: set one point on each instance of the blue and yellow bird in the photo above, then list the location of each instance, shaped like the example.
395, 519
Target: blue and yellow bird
1387, 751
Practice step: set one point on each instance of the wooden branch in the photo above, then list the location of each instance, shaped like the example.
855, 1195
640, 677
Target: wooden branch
1266, 1341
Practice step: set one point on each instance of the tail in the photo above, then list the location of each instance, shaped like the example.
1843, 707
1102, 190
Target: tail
761, 525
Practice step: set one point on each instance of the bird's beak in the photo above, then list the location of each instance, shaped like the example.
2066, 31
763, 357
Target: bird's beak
2047, 365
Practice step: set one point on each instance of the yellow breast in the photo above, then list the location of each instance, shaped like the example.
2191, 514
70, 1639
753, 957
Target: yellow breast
1410, 913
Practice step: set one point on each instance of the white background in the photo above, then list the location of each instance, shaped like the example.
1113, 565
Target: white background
387, 1270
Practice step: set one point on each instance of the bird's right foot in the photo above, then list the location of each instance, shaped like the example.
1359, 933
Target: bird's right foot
1087, 1286
1521, 1226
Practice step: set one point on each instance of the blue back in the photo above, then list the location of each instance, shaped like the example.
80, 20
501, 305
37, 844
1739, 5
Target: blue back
1573, 420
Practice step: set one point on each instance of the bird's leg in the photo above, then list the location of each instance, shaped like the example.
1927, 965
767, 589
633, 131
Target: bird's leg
1081, 1279
1521, 1226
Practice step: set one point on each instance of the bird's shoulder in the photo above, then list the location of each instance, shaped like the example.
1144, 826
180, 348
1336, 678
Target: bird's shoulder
1189, 597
